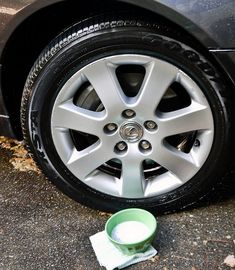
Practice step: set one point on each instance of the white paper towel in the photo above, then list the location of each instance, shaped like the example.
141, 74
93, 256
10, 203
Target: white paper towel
110, 257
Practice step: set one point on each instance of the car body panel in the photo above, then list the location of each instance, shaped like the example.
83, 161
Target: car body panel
5, 125
211, 22
226, 59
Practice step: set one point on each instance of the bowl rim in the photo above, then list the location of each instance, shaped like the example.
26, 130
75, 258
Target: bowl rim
132, 243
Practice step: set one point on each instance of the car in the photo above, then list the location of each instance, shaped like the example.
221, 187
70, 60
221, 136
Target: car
122, 103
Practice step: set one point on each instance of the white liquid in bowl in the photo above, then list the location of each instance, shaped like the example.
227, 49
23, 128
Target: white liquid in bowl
130, 232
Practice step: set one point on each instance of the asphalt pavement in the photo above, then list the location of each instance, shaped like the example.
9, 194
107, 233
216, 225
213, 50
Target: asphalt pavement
40, 228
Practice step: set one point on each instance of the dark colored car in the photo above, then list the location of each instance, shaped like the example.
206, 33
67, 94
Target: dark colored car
122, 103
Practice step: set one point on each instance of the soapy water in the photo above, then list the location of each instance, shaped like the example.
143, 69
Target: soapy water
130, 232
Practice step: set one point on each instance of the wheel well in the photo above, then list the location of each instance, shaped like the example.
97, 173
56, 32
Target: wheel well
32, 35
29, 39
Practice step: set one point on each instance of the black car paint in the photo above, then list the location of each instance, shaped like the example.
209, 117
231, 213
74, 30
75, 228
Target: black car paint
211, 22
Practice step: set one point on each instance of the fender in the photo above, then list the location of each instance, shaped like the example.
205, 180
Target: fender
209, 22
13, 13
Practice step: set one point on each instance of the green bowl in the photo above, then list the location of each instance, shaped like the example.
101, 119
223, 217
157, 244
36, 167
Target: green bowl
132, 214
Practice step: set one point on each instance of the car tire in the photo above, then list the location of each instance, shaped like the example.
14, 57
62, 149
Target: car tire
115, 150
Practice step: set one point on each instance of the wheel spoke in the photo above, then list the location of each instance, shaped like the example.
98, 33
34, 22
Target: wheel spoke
159, 76
192, 118
182, 165
67, 115
132, 178
103, 78
83, 163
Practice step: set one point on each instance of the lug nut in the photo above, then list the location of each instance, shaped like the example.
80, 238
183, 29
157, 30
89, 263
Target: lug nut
128, 113
150, 125
111, 127
145, 145
121, 146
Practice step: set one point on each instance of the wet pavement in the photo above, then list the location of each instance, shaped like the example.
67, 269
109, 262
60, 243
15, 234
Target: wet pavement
40, 228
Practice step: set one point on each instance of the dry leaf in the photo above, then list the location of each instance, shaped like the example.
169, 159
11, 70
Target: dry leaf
24, 164
21, 159
7, 143
104, 214
230, 261
155, 259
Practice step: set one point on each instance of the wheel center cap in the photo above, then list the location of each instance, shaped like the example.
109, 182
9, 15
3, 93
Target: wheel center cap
131, 131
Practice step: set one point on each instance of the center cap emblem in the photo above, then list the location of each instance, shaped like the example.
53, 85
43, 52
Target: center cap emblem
131, 132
